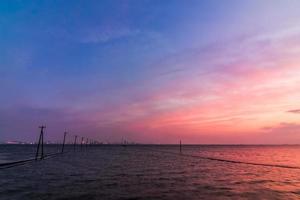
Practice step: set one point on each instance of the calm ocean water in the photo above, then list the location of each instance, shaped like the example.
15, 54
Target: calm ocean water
152, 172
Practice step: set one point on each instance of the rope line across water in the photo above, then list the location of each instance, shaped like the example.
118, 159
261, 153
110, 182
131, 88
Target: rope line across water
230, 161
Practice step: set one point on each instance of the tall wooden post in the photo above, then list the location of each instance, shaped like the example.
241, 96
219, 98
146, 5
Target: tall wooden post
180, 146
38, 147
75, 142
63, 146
42, 156
81, 143
41, 143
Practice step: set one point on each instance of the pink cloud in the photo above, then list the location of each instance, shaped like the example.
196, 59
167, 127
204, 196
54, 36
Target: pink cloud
239, 95
296, 111
224, 92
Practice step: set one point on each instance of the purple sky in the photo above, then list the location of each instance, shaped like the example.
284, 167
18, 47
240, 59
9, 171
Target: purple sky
151, 71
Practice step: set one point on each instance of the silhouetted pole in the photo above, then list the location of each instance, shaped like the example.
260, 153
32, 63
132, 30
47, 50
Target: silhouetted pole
75, 142
42, 130
180, 146
86, 144
63, 146
41, 143
38, 147
81, 143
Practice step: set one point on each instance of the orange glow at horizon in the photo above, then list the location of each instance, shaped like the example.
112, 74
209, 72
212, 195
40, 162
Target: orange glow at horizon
244, 97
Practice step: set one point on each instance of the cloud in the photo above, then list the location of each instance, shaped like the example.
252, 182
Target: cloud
234, 84
283, 128
217, 88
106, 34
295, 111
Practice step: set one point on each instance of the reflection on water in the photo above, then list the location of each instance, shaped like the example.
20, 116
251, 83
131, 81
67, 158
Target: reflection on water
139, 172
275, 155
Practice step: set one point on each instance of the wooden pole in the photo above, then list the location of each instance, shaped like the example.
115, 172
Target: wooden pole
180, 146
63, 146
41, 143
81, 143
75, 142
38, 147
42, 156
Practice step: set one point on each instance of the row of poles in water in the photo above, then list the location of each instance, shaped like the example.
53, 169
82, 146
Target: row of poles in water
40, 146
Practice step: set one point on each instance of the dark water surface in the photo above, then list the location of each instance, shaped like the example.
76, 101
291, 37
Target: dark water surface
152, 172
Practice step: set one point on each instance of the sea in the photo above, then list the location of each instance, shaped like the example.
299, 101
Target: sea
152, 172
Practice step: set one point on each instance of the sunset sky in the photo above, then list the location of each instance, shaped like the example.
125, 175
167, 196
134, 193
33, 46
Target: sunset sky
151, 71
